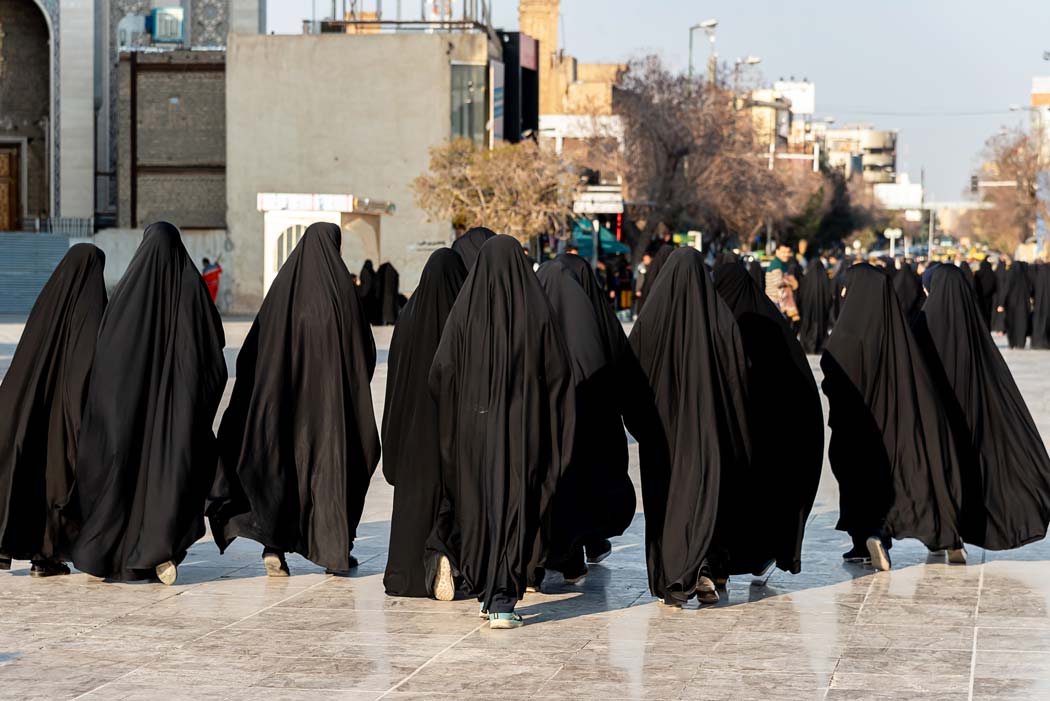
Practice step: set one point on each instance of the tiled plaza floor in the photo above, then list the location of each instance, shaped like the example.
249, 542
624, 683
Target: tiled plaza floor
925, 630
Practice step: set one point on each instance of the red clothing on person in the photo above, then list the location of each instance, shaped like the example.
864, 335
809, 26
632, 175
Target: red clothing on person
211, 279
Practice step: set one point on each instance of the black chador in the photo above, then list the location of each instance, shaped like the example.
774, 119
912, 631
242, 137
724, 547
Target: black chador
787, 433
595, 498
1006, 501
814, 307
41, 402
908, 286
503, 383
892, 447
388, 302
693, 429
411, 438
147, 452
986, 285
298, 442
469, 244
1041, 306
1002, 279
1018, 305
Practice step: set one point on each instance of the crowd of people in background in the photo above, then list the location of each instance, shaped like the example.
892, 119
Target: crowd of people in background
511, 388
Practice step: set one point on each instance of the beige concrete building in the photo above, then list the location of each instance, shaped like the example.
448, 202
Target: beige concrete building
566, 86
342, 144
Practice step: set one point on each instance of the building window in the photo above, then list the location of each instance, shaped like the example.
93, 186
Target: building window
286, 242
469, 90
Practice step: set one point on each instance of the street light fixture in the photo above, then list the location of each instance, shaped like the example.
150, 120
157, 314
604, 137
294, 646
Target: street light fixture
708, 25
743, 61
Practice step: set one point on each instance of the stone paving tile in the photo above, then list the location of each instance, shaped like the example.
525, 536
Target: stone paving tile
926, 630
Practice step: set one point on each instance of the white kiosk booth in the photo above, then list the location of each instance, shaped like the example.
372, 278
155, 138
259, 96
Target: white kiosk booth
287, 215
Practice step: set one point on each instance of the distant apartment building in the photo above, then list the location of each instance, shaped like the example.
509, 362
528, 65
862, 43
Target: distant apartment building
865, 150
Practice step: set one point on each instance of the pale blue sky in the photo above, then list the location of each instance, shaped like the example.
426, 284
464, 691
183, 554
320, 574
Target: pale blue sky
924, 67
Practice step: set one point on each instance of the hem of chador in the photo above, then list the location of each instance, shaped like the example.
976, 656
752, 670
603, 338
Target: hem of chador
232, 531
501, 603
125, 574
1018, 543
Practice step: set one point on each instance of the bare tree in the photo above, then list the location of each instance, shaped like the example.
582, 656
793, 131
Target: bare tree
515, 189
690, 155
1015, 159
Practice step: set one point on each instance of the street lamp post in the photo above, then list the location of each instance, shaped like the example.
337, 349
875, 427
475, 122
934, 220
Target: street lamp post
709, 28
745, 61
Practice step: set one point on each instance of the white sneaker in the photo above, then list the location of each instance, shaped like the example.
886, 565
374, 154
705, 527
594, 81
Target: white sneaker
444, 586
275, 564
880, 559
957, 556
706, 591
167, 572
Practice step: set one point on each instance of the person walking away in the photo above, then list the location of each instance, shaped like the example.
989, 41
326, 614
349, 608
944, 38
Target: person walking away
298, 443
146, 452
412, 440
42, 404
211, 273
692, 428
503, 384
1006, 493
893, 452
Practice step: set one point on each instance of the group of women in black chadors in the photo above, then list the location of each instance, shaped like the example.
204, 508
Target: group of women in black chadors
1013, 297
507, 396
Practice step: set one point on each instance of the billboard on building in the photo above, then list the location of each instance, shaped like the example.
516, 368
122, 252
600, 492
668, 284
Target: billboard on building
802, 93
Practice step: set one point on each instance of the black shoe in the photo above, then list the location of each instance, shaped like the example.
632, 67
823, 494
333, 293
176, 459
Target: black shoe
765, 569
5, 561
859, 554
574, 573
352, 564
598, 551
47, 568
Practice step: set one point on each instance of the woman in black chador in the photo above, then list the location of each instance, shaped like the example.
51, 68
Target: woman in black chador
1002, 282
595, 498
908, 286
892, 448
412, 444
41, 402
1017, 305
1041, 305
298, 443
986, 286
368, 292
469, 244
787, 433
147, 452
814, 307
1006, 499
692, 428
503, 383
388, 302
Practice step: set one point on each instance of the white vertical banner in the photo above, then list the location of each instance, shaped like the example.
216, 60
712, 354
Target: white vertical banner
497, 96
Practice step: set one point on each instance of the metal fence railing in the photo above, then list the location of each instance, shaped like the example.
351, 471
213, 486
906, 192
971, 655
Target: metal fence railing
73, 227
